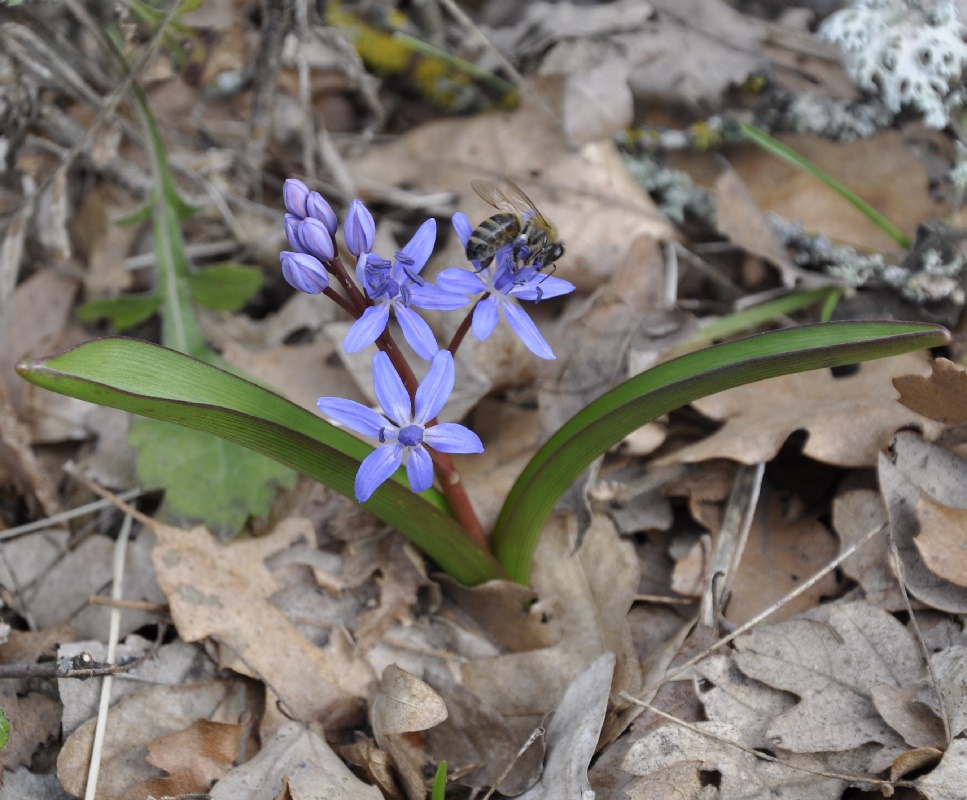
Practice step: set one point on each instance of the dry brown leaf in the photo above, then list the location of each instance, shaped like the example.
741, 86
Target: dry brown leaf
941, 396
913, 761
572, 735
23, 784
139, 719
742, 221
913, 720
832, 667
403, 703
868, 167
63, 591
942, 540
194, 758
950, 667
918, 468
780, 554
301, 755
849, 419
222, 592
478, 744
856, 512
674, 762
33, 714
592, 590
948, 780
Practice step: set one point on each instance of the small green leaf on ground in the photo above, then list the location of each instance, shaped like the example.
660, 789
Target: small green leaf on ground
225, 287
206, 478
123, 312
4, 729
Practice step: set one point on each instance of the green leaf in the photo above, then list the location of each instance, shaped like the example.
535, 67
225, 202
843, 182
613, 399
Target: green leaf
4, 729
439, 782
790, 156
122, 312
206, 478
638, 401
162, 384
139, 215
225, 287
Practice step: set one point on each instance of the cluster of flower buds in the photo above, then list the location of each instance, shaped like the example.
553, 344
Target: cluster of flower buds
407, 425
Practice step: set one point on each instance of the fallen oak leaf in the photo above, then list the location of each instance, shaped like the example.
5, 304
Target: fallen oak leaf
833, 668
221, 591
941, 396
942, 539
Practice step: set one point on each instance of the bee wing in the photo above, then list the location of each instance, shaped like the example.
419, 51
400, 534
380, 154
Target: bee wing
507, 197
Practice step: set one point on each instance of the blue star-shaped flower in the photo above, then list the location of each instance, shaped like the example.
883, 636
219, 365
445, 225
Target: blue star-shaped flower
504, 281
398, 286
403, 431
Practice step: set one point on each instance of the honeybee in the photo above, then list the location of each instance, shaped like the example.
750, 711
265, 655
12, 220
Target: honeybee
519, 224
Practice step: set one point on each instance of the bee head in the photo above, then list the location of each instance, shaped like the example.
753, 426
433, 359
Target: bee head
552, 253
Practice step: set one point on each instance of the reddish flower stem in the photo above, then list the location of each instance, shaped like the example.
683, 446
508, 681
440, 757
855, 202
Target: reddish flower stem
464, 326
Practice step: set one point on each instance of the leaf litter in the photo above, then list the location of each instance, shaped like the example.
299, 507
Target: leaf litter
319, 658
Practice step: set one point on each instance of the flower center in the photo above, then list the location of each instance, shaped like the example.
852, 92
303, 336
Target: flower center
411, 436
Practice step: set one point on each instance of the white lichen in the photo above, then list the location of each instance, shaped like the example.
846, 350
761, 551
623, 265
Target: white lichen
908, 54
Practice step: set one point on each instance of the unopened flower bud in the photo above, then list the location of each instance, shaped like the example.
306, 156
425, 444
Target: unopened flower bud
295, 194
317, 207
315, 239
360, 229
304, 272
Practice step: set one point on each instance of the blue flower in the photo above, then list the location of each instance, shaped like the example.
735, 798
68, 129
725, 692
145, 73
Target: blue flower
505, 282
360, 229
303, 271
403, 432
398, 286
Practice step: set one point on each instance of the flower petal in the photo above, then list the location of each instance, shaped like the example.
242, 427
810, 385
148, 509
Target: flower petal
367, 328
416, 332
461, 224
435, 388
542, 288
451, 437
485, 318
390, 391
419, 469
420, 247
430, 296
376, 468
353, 415
462, 281
527, 331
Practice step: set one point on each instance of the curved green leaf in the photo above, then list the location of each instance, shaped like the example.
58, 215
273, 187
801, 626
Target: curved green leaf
604, 423
159, 383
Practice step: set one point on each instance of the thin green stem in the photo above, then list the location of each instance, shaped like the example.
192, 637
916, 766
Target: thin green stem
790, 156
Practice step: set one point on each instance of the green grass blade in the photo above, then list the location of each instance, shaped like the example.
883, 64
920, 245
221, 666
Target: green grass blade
439, 782
638, 401
759, 314
790, 156
163, 384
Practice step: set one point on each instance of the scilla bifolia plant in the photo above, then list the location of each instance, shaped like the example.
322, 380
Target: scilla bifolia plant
412, 450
